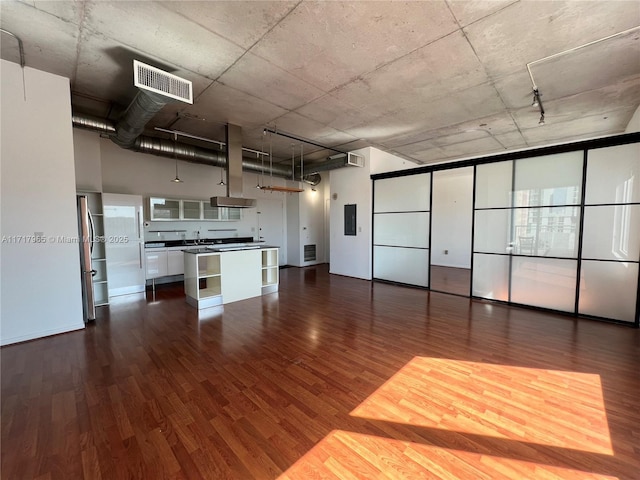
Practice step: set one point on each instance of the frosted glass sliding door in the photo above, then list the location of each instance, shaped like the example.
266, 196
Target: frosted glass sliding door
403, 265
401, 219
556, 231
526, 230
543, 282
611, 234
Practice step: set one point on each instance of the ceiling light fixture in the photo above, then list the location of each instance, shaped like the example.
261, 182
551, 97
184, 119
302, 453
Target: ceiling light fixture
175, 155
536, 94
537, 102
221, 182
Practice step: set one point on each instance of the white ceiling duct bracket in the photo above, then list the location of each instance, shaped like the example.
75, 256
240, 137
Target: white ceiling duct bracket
158, 81
355, 160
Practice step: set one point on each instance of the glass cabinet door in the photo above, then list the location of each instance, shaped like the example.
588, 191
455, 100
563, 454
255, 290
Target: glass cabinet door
191, 209
164, 209
209, 212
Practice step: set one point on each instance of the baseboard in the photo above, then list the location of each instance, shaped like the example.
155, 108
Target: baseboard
40, 334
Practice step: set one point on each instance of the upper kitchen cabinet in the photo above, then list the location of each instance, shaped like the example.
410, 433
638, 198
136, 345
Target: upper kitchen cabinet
162, 209
191, 209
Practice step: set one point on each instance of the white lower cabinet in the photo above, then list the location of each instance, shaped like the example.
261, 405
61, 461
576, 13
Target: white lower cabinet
175, 262
162, 262
156, 262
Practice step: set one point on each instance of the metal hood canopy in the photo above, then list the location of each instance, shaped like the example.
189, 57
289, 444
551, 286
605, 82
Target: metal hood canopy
234, 196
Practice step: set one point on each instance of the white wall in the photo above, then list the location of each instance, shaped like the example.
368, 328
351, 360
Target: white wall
451, 217
40, 282
86, 147
351, 255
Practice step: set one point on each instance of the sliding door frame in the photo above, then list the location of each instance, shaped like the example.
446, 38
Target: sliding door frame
584, 146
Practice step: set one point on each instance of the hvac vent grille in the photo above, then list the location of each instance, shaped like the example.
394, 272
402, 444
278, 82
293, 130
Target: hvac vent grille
155, 80
355, 160
309, 253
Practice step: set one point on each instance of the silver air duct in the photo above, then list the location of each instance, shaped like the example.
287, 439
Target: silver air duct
193, 154
183, 151
140, 111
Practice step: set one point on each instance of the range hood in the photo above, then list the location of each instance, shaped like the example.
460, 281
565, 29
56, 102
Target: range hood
234, 196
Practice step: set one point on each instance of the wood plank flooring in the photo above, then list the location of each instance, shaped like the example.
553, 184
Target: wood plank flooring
332, 377
450, 280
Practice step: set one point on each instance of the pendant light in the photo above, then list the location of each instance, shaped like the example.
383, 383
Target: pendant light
221, 182
175, 146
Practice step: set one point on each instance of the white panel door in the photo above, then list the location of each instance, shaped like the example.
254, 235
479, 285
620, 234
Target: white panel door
270, 226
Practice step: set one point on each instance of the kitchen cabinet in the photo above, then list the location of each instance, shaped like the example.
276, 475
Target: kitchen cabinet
175, 262
191, 210
163, 209
162, 262
155, 263
220, 213
123, 242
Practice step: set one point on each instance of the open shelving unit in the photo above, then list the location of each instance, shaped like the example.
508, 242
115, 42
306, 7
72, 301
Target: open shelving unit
270, 270
98, 254
203, 283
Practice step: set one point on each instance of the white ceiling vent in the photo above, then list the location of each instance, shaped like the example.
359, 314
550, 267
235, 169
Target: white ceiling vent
355, 160
155, 80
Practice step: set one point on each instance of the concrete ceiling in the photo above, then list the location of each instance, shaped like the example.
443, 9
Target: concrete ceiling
429, 81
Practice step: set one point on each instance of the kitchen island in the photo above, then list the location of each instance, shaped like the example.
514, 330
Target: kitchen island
218, 275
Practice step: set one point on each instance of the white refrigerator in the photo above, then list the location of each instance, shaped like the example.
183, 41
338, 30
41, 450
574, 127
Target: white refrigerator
124, 243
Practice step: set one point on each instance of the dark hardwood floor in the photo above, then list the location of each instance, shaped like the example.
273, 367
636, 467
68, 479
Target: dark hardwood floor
332, 377
450, 279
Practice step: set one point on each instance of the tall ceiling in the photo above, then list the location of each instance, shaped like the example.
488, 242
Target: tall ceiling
429, 81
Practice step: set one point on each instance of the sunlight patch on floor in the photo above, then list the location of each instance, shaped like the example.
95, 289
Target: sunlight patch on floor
354, 456
545, 407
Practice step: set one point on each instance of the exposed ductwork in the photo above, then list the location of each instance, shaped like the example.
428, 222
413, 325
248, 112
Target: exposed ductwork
183, 151
193, 154
157, 89
140, 111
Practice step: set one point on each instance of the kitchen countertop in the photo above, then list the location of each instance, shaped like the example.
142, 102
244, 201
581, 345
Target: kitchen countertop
229, 248
196, 243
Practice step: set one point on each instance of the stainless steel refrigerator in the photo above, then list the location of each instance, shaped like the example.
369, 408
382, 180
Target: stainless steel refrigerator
86, 231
